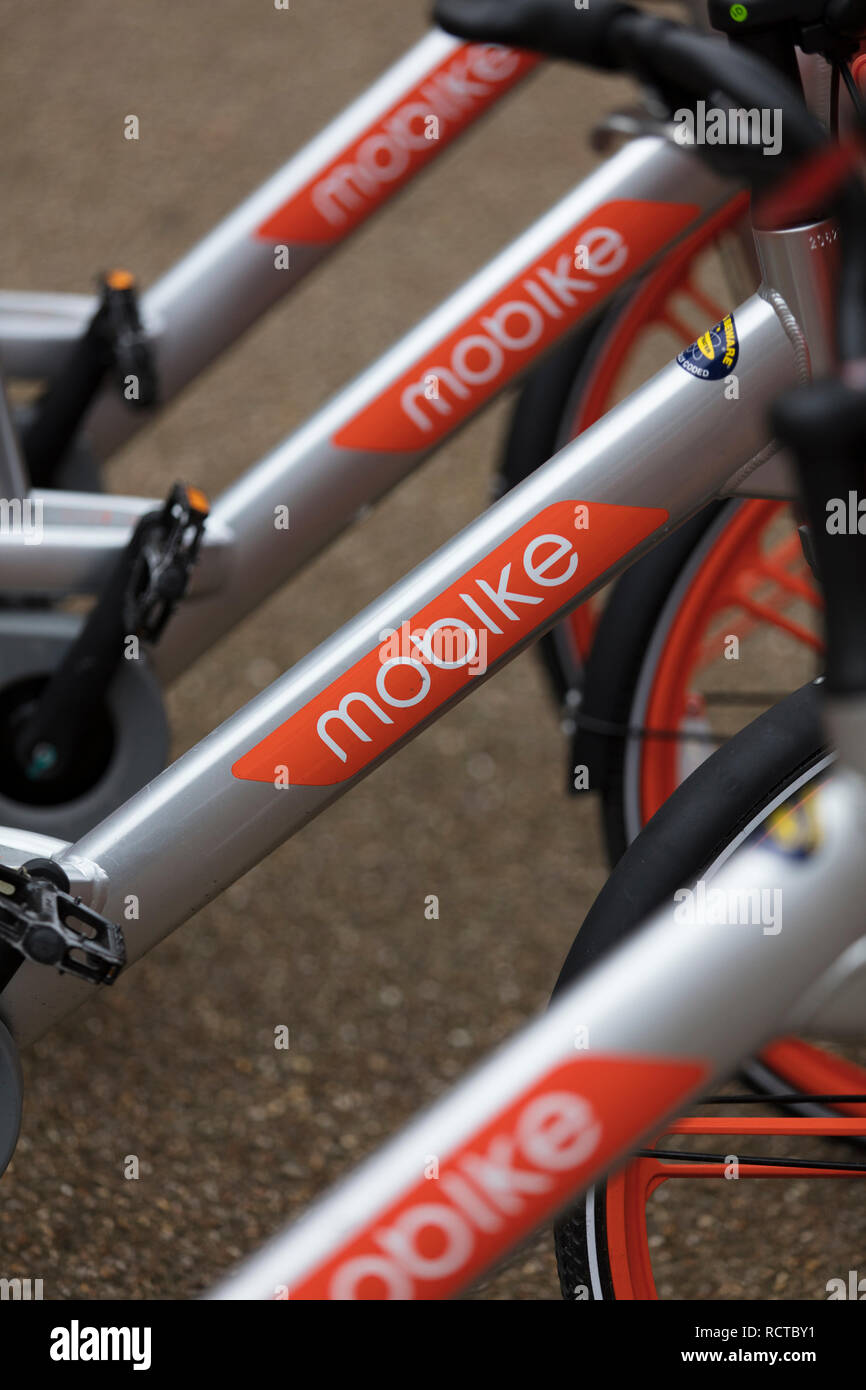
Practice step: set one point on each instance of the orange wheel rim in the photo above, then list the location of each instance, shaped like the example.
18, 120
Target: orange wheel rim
736, 573
628, 1192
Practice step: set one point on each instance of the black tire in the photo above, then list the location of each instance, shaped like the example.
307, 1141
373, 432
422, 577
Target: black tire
711, 809
612, 675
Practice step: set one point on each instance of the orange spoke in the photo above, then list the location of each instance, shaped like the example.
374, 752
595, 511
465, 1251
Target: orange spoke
676, 325
797, 584
776, 619
712, 310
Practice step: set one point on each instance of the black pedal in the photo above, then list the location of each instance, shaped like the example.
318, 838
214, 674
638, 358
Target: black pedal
167, 551
46, 925
139, 594
129, 346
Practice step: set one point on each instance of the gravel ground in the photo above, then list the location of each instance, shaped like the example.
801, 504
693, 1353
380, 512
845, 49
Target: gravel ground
176, 1065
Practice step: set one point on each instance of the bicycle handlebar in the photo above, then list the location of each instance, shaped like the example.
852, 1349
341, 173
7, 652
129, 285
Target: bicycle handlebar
839, 18
616, 36
552, 27
825, 423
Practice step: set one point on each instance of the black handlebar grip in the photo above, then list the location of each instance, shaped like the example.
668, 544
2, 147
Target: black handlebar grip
552, 27
847, 16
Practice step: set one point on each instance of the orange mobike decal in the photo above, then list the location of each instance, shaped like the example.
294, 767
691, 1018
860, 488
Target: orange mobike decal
436, 652
516, 1171
463, 371
392, 150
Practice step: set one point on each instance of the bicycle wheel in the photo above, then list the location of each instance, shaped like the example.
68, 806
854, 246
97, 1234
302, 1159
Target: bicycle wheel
603, 1246
585, 375
679, 657
645, 682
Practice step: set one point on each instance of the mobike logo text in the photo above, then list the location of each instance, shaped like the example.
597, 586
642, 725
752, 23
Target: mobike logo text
515, 326
505, 597
503, 1181
390, 152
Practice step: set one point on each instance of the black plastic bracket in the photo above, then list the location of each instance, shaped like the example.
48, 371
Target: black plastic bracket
139, 595
114, 342
816, 26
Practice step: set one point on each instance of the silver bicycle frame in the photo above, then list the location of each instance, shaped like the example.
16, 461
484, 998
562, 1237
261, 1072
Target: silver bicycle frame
381, 427
203, 822
263, 249
384, 425
510, 575
617, 1054
516, 570
429, 97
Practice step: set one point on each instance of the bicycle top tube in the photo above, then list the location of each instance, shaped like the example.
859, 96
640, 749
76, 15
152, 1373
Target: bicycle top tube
267, 245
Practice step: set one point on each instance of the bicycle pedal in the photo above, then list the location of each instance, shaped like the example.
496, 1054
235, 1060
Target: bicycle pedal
169, 550
37, 917
131, 350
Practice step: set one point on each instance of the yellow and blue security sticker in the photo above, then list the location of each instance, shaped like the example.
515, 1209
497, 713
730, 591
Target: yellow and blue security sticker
794, 828
715, 353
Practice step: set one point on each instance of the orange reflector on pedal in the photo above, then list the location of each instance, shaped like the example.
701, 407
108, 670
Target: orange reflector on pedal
197, 500
120, 279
